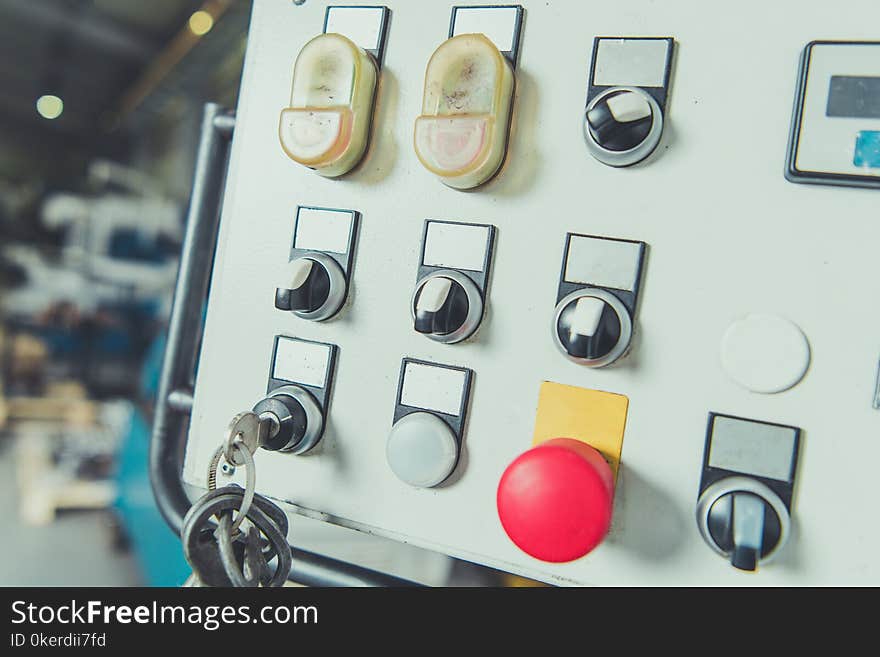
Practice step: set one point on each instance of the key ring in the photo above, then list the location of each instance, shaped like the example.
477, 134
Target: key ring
238, 448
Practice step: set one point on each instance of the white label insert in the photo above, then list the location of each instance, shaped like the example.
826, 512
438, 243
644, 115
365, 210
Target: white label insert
631, 62
458, 246
603, 262
323, 230
497, 23
301, 362
363, 25
433, 388
755, 448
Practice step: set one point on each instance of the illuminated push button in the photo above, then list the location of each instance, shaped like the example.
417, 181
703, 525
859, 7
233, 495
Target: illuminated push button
327, 124
422, 450
461, 135
555, 500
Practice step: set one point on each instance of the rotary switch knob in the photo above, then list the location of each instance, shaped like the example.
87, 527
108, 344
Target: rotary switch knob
592, 327
296, 417
316, 289
622, 126
555, 500
446, 306
743, 520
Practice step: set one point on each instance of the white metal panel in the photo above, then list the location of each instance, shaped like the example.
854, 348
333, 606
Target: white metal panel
728, 235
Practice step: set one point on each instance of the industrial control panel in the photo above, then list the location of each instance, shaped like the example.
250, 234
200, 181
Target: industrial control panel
580, 291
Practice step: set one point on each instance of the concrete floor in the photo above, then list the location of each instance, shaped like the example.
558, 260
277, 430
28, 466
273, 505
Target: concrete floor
74, 550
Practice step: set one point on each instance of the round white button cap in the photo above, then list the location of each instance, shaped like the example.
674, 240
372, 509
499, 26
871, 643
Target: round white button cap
422, 450
765, 353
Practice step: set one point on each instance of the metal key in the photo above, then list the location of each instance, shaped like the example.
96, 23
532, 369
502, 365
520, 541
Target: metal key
245, 434
252, 429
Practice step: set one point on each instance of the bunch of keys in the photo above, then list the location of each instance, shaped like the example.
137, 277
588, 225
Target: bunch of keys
231, 535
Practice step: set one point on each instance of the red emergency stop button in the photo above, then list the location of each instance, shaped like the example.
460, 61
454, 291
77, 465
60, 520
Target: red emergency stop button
554, 501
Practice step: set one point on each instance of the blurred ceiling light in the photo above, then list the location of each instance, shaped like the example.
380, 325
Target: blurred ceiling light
49, 106
200, 23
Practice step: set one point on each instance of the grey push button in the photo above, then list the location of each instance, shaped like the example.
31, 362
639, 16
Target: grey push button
422, 450
425, 439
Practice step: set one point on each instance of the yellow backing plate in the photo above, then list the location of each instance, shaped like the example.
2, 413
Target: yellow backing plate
592, 416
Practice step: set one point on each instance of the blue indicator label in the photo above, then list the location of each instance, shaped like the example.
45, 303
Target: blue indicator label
867, 152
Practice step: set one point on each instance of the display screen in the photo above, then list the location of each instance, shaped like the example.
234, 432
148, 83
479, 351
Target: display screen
854, 97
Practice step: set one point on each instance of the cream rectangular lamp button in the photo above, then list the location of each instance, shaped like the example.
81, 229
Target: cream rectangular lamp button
327, 125
461, 135
835, 128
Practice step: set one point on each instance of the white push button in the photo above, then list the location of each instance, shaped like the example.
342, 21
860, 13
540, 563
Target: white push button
422, 450
765, 353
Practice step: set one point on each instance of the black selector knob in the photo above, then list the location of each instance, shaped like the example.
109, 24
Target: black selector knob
446, 306
592, 327
745, 527
744, 520
623, 126
316, 288
441, 306
311, 292
296, 418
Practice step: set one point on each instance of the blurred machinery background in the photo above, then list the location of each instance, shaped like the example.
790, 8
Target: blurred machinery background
99, 124
99, 121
